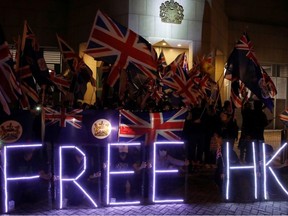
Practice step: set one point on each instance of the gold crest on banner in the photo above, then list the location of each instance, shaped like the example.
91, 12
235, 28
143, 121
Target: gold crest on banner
10, 131
101, 128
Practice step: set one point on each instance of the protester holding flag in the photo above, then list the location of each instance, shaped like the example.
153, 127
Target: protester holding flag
243, 65
228, 124
245, 140
31, 55
79, 71
31, 70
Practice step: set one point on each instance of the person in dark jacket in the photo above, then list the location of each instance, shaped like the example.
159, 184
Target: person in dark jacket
228, 124
246, 131
220, 160
259, 123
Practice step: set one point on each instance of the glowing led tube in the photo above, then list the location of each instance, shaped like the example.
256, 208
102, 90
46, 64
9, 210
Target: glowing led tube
266, 164
109, 173
21, 178
74, 180
156, 171
229, 167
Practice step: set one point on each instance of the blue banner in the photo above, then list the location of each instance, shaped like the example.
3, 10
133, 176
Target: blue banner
81, 127
22, 126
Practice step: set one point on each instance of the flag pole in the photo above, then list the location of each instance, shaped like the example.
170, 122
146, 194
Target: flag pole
24, 34
17, 57
219, 89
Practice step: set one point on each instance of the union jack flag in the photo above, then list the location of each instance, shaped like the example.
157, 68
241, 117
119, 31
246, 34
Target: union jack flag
151, 127
172, 68
184, 87
30, 96
179, 81
31, 67
115, 44
28, 86
138, 68
243, 65
59, 80
269, 83
34, 56
204, 83
235, 94
73, 118
9, 87
156, 92
81, 71
68, 54
246, 44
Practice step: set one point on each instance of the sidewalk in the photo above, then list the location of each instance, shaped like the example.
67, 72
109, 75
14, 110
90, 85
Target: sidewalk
203, 198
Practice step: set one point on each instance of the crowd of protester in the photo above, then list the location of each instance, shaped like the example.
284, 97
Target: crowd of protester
205, 131
203, 122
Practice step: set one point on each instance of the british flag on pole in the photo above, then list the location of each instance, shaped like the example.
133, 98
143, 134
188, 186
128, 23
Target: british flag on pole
59, 80
115, 44
179, 81
81, 73
150, 127
242, 65
34, 56
183, 87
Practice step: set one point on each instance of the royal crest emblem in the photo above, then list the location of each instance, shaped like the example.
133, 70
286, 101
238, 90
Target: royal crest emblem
171, 12
101, 128
10, 131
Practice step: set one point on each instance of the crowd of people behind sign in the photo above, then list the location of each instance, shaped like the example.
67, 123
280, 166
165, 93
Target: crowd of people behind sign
203, 122
205, 131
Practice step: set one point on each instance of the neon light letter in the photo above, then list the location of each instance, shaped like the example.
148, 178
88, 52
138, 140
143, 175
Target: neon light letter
18, 178
229, 167
265, 165
109, 201
74, 180
161, 171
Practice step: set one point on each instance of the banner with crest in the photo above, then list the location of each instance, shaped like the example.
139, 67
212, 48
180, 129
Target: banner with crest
81, 126
22, 126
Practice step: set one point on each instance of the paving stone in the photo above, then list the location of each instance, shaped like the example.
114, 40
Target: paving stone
202, 199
